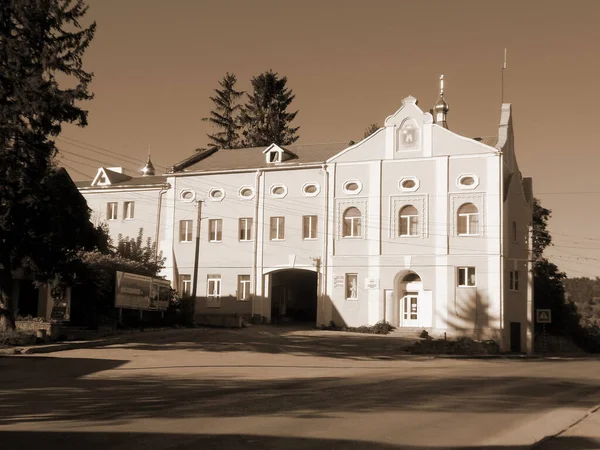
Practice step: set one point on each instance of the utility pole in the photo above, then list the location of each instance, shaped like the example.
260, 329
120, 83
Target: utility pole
196, 256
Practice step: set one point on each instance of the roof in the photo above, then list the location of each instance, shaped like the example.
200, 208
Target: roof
487, 140
156, 180
253, 158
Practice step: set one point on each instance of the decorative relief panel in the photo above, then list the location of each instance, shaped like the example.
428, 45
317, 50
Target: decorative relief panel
409, 135
457, 200
342, 205
400, 201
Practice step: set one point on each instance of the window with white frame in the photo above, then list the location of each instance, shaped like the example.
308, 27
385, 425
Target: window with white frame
128, 208
513, 280
351, 286
243, 292
409, 221
185, 285
245, 229
352, 222
213, 285
185, 230
468, 220
111, 210
311, 189
466, 276
279, 190
277, 232
215, 230
309, 227
273, 156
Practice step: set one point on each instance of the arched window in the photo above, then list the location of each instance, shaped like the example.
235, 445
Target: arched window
352, 225
468, 220
409, 221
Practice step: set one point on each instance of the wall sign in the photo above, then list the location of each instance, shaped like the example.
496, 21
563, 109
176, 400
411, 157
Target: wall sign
371, 283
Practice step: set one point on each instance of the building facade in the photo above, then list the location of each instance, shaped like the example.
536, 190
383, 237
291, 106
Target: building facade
415, 225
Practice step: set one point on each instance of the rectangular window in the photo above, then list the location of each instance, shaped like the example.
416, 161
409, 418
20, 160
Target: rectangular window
243, 292
513, 280
245, 229
213, 286
309, 227
466, 276
215, 230
351, 286
277, 228
111, 210
185, 230
185, 285
128, 210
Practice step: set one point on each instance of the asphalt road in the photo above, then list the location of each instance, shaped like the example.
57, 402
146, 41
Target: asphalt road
275, 388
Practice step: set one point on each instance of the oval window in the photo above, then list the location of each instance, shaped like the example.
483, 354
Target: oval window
352, 186
408, 184
467, 181
216, 194
187, 195
310, 189
246, 192
278, 190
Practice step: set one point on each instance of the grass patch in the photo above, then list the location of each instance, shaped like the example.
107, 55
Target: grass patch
380, 327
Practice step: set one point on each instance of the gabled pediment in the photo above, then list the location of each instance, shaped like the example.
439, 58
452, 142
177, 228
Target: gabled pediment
107, 177
409, 109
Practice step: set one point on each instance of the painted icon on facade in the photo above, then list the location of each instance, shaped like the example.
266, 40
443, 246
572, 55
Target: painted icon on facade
409, 135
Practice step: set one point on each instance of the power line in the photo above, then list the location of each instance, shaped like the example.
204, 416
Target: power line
63, 137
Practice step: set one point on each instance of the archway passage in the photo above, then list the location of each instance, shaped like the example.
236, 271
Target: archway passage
294, 296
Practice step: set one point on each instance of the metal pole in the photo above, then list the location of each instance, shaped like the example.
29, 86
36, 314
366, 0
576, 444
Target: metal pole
196, 256
544, 348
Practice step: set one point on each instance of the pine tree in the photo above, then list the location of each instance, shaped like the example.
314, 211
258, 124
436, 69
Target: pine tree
264, 116
370, 130
225, 115
41, 41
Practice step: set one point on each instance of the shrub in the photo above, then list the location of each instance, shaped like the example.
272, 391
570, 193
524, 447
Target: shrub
14, 338
380, 327
461, 346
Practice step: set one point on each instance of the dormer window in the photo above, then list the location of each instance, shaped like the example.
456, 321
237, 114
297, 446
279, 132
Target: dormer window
275, 154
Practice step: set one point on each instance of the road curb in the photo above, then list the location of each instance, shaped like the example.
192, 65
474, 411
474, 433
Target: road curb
545, 439
75, 345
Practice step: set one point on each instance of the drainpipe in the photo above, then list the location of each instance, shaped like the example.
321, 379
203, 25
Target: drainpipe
501, 206
255, 244
156, 234
324, 261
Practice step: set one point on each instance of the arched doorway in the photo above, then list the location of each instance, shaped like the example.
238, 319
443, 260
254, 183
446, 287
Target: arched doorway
408, 289
293, 296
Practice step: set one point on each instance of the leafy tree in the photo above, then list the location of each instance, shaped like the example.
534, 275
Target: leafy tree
370, 130
41, 41
140, 251
264, 116
225, 115
548, 285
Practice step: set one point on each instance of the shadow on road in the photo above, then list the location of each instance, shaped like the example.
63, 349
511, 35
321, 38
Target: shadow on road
292, 340
37, 390
93, 441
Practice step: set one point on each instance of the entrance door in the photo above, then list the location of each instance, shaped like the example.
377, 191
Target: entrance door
410, 310
515, 337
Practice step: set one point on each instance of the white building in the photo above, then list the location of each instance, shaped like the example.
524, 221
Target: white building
415, 225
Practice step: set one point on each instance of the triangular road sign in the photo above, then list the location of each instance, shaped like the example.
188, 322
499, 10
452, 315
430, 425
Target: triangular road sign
543, 316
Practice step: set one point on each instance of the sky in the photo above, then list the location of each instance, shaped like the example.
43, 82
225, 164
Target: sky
350, 64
